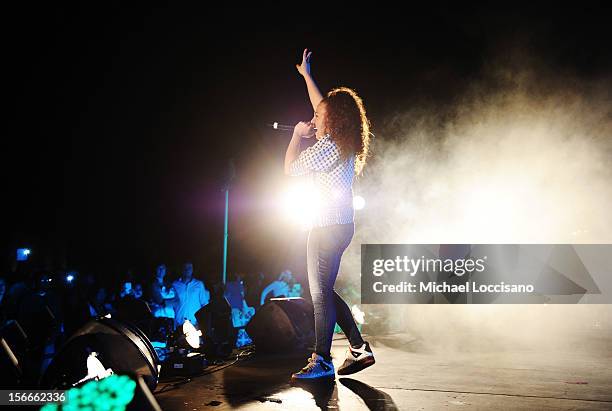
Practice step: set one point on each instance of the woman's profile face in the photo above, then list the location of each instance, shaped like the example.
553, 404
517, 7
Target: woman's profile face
319, 119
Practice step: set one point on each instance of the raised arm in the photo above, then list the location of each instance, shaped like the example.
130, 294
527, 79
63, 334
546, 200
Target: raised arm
304, 69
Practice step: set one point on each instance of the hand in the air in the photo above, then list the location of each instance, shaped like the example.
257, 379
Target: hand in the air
304, 67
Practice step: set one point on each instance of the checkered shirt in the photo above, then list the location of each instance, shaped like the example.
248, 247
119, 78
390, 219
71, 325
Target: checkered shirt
332, 179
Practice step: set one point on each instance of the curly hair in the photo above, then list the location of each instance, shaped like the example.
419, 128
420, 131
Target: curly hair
348, 125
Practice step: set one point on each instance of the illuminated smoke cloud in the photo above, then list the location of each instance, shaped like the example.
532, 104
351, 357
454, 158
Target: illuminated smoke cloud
525, 156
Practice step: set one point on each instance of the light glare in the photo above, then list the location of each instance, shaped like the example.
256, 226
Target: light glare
358, 202
192, 335
301, 204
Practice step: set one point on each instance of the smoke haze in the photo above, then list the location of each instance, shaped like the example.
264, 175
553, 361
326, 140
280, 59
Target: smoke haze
523, 156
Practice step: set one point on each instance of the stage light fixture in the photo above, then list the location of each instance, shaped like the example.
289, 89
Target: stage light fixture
180, 359
186, 337
119, 346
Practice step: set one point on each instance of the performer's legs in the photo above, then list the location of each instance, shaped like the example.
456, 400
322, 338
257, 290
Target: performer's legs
345, 320
321, 256
325, 248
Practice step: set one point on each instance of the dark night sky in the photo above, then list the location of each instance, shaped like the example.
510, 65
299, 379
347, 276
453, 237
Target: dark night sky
124, 119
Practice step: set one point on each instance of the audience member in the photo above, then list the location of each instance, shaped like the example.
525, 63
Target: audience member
191, 296
162, 295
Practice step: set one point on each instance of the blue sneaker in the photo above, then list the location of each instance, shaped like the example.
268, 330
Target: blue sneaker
317, 367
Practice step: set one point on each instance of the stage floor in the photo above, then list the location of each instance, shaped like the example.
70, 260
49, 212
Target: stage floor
407, 377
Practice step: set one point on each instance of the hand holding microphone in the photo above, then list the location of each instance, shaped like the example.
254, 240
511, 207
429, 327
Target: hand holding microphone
304, 129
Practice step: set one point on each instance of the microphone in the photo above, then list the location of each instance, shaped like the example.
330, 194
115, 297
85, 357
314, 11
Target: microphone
286, 127
282, 127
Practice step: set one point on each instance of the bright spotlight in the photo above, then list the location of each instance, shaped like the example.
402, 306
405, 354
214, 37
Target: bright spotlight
301, 204
358, 202
192, 335
69, 278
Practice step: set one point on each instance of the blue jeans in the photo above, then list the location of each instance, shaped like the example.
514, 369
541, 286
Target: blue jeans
325, 248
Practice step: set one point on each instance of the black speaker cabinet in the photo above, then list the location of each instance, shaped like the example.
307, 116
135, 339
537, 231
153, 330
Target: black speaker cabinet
283, 324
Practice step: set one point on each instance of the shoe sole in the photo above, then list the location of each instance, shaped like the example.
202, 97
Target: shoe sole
327, 378
357, 366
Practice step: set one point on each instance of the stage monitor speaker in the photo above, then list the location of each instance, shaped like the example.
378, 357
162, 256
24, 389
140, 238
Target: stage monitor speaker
283, 324
215, 322
120, 346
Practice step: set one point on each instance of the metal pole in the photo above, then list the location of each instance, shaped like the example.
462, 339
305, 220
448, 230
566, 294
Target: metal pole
225, 235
